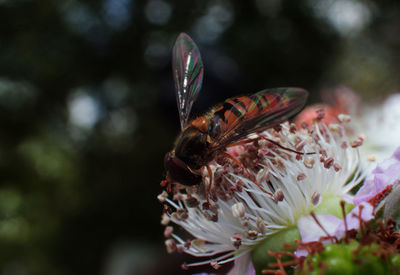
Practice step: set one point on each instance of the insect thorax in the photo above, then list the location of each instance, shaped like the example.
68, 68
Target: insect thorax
192, 148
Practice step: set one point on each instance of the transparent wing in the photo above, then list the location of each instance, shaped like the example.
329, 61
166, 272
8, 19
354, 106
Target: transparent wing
187, 68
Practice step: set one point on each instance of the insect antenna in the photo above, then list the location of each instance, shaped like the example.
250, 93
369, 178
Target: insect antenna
208, 190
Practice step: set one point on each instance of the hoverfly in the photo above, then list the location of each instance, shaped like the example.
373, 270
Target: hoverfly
207, 136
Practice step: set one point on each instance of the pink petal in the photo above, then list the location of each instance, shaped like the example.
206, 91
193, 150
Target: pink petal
243, 266
353, 222
386, 173
310, 231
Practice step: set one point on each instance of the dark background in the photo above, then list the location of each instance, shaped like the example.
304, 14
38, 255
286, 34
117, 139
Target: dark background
88, 110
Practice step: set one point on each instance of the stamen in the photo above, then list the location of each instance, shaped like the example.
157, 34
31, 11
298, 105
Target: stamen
252, 234
218, 260
309, 162
170, 244
371, 158
260, 226
236, 240
344, 118
301, 176
172, 203
279, 196
315, 198
165, 219
168, 231
346, 231
328, 163
215, 264
337, 167
230, 213
251, 176
161, 197
238, 210
356, 143
320, 113
192, 202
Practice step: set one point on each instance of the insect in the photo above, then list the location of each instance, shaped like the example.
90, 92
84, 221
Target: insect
203, 138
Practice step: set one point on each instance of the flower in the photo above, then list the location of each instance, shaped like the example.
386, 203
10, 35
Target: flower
377, 124
270, 191
375, 252
383, 179
375, 193
380, 126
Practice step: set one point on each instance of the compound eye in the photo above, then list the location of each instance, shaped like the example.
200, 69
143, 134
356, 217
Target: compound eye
167, 160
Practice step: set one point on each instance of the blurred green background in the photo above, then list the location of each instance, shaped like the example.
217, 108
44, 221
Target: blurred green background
88, 110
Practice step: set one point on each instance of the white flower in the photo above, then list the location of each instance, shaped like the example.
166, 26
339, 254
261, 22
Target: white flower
377, 124
288, 175
381, 128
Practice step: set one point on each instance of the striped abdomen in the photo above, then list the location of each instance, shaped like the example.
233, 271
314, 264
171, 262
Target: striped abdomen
245, 113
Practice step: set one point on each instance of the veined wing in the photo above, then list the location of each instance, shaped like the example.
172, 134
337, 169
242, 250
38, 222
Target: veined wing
187, 68
240, 116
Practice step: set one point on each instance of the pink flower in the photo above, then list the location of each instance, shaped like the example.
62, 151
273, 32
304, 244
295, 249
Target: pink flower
368, 200
383, 176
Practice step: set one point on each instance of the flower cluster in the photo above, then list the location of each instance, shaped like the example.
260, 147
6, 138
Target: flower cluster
293, 182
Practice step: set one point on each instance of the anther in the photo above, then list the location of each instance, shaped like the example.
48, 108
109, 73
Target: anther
170, 244
371, 158
236, 240
252, 234
309, 163
238, 210
192, 202
180, 214
320, 113
161, 197
328, 163
260, 226
168, 231
165, 219
356, 143
301, 176
278, 195
215, 264
315, 198
337, 167
344, 118
292, 128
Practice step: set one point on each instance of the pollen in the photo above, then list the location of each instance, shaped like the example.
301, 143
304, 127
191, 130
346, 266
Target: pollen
371, 158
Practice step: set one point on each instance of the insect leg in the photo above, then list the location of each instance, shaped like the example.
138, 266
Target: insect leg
285, 148
210, 183
248, 173
246, 141
167, 182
